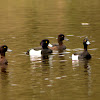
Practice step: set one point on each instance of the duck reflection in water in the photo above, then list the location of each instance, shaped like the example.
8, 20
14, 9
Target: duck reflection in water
47, 60
87, 66
83, 62
4, 68
85, 71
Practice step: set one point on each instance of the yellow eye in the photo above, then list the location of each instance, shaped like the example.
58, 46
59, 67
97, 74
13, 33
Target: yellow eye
62, 36
46, 41
85, 40
4, 47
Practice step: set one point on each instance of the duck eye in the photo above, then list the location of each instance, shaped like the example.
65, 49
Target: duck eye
4, 47
46, 41
85, 40
62, 36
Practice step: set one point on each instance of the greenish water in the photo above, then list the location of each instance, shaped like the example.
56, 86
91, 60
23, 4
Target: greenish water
24, 23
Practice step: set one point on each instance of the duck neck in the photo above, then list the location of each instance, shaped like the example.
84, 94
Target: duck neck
44, 47
60, 42
2, 55
85, 47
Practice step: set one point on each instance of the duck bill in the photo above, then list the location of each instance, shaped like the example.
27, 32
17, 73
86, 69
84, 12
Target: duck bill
50, 45
66, 39
88, 43
9, 50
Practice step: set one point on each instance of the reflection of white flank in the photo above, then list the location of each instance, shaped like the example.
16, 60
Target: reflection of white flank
50, 60
75, 63
34, 58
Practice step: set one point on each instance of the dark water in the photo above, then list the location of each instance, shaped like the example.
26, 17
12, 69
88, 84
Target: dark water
24, 23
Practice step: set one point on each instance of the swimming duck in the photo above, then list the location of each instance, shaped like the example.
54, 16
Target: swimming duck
84, 54
60, 46
45, 50
3, 50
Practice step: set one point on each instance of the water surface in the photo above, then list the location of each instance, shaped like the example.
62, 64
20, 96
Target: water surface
24, 23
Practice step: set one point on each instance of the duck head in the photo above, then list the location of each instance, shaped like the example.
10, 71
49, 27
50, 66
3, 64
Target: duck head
3, 49
86, 43
61, 37
44, 43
